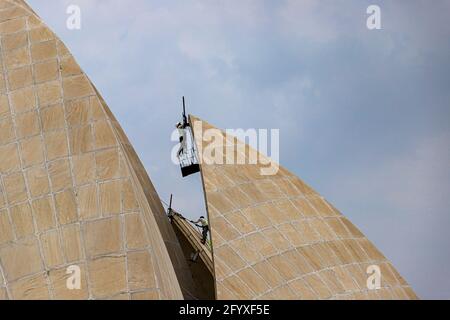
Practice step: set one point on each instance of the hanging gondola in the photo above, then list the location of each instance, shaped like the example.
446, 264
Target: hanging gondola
187, 156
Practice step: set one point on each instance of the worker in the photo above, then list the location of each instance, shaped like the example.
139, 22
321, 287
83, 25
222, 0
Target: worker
182, 132
205, 227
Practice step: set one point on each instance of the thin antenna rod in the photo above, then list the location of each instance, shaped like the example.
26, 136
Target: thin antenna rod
185, 121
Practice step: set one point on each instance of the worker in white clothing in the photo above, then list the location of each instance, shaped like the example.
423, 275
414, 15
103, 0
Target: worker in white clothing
205, 227
182, 132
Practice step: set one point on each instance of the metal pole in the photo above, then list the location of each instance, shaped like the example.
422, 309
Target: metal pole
185, 122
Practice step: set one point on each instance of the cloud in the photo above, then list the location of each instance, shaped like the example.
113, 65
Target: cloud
405, 194
411, 181
312, 21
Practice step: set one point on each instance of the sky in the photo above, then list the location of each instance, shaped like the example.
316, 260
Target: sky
363, 114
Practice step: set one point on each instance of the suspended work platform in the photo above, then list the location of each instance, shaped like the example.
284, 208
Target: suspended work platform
187, 155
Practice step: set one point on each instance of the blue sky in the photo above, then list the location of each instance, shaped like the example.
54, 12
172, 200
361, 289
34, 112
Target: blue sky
363, 115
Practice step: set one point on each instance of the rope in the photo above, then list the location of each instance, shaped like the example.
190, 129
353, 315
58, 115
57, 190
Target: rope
176, 212
199, 228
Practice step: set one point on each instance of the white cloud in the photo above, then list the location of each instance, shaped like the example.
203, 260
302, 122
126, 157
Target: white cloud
415, 180
311, 20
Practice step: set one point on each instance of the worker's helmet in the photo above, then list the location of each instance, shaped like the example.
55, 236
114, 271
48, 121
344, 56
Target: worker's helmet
178, 125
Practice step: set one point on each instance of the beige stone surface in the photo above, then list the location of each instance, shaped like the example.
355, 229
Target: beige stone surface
274, 237
72, 190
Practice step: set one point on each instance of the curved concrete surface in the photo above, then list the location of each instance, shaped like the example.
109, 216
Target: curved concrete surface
274, 237
72, 190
